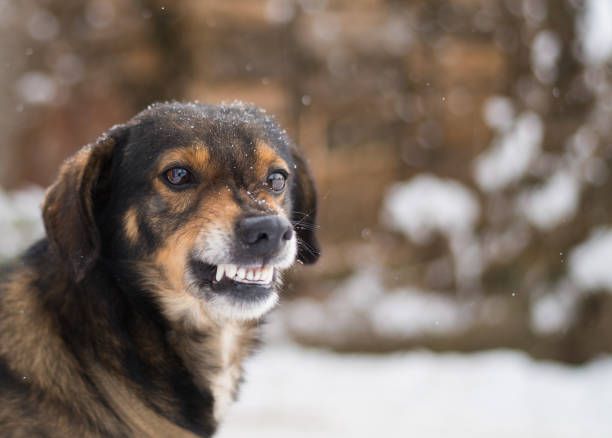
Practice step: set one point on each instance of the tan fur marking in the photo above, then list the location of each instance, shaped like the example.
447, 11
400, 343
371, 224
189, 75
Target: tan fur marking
186, 310
130, 225
267, 158
30, 339
273, 202
172, 258
23, 326
196, 157
178, 201
165, 274
142, 421
224, 210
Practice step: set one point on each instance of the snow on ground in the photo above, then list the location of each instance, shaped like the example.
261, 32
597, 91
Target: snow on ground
292, 392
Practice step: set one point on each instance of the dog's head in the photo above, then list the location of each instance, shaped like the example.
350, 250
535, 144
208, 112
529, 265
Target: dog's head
206, 205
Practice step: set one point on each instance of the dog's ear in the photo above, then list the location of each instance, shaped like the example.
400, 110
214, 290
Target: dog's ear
304, 212
68, 208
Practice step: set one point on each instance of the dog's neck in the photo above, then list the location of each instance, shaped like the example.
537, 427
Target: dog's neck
213, 352
211, 349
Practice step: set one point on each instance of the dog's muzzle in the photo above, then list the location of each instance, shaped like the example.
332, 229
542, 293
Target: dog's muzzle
245, 273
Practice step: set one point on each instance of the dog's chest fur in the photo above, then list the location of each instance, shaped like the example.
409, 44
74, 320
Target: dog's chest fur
225, 380
215, 358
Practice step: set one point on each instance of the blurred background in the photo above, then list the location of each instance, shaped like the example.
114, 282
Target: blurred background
462, 150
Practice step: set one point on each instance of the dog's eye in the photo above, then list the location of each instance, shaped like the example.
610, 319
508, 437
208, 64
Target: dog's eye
276, 181
178, 176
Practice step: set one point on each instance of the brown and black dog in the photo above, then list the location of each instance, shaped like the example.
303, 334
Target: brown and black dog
166, 240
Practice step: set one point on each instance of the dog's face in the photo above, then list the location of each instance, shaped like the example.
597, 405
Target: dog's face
205, 205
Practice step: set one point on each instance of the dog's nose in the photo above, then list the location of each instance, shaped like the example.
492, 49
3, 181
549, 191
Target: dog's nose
264, 235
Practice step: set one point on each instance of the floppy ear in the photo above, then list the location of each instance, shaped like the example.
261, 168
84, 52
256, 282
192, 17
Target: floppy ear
68, 208
304, 213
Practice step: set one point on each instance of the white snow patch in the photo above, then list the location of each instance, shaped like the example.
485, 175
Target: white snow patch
280, 11
361, 304
299, 393
582, 159
69, 68
595, 30
427, 204
37, 87
545, 52
498, 112
20, 220
535, 11
554, 311
582, 145
344, 313
554, 202
100, 14
396, 35
589, 262
512, 153
43, 26
411, 312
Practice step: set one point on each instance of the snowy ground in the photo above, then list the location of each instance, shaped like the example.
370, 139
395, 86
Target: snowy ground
292, 392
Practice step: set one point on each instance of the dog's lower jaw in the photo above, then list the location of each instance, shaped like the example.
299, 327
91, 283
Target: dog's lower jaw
236, 302
237, 297
224, 308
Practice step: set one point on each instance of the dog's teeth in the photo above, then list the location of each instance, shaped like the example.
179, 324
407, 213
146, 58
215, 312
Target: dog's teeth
264, 275
230, 271
244, 274
220, 271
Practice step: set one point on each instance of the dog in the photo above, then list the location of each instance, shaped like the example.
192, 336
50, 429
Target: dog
165, 243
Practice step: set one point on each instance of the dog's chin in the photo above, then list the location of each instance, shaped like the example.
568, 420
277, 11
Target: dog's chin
235, 295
